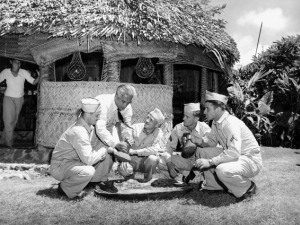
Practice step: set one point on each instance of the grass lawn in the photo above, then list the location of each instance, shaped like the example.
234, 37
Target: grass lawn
277, 202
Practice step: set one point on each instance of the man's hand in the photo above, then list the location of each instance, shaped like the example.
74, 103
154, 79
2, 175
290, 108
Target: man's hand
122, 146
132, 152
202, 163
165, 156
196, 140
111, 150
103, 152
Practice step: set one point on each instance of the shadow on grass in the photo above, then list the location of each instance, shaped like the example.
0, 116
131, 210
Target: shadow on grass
54, 194
212, 199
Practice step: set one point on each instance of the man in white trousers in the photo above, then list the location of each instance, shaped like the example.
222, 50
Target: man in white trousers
77, 160
238, 160
13, 97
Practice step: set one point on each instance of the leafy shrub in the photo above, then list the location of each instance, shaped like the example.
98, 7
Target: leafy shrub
249, 107
282, 61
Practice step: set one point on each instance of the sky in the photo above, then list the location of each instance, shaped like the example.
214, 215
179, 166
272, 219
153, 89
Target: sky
244, 17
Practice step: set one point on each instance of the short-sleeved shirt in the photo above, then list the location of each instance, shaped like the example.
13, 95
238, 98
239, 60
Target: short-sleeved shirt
235, 138
178, 132
15, 85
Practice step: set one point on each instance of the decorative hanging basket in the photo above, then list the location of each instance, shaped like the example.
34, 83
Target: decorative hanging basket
144, 67
76, 69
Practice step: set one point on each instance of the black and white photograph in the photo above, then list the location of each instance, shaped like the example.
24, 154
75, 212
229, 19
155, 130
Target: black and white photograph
146, 112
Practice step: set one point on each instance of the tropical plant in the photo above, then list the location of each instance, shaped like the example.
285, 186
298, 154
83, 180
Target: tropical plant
282, 62
247, 105
287, 120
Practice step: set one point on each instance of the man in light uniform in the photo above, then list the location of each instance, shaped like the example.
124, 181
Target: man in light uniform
148, 142
13, 97
115, 109
75, 162
196, 130
238, 160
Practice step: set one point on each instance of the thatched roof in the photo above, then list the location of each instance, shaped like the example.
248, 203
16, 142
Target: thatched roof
186, 22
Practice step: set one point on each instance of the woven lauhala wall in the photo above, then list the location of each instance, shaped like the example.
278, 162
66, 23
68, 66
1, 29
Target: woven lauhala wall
59, 102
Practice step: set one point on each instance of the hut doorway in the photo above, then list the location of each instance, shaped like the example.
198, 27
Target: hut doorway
186, 87
24, 133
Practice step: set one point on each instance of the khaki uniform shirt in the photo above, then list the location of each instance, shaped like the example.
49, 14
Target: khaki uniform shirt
147, 144
235, 138
108, 118
75, 145
179, 130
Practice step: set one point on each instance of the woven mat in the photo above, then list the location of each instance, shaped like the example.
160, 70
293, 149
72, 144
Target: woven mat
60, 100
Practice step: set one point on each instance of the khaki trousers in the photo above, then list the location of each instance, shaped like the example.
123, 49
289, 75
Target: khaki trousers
234, 175
146, 164
74, 175
183, 165
11, 110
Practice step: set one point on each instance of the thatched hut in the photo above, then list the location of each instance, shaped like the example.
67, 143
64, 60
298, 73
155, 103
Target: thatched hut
177, 44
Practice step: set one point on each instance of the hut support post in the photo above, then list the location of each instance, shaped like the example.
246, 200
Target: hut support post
203, 84
104, 70
216, 82
111, 71
168, 74
44, 73
114, 69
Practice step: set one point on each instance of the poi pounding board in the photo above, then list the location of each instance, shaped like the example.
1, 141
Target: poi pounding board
154, 188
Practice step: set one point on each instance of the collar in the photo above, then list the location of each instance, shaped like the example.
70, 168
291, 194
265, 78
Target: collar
223, 117
197, 127
151, 132
81, 121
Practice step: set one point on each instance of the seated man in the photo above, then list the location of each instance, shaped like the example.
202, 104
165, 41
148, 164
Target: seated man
182, 133
232, 166
147, 142
74, 162
115, 109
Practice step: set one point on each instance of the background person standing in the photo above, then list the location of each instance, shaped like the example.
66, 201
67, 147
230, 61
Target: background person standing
13, 97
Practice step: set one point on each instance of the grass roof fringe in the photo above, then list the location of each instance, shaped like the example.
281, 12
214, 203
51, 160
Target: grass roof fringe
181, 21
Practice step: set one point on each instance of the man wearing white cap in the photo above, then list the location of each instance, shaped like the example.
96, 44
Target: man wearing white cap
115, 109
190, 128
238, 160
75, 162
147, 139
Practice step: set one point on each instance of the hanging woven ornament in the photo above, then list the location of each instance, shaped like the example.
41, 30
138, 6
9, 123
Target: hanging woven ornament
76, 69
144, 67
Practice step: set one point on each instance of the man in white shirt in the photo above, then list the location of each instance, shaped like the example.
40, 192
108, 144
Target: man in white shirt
238, 160
147, 142
13, 97
76, 160
189, 129
115, 116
